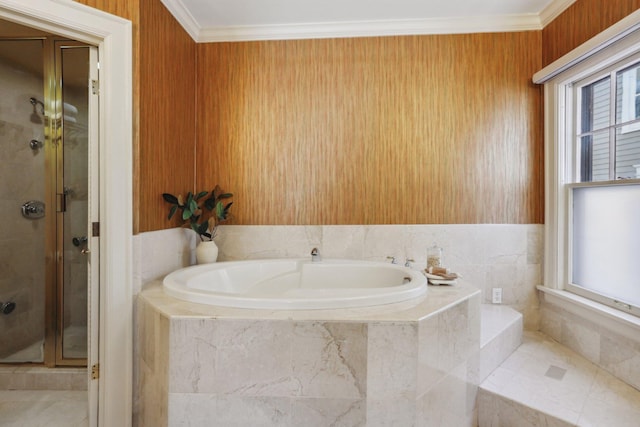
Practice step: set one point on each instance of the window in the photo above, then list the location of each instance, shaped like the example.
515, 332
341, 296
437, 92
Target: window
604, 220
608, 124
592, 146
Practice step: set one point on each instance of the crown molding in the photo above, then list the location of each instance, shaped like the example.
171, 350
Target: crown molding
184, 17
553, 10
455, 25
371, 28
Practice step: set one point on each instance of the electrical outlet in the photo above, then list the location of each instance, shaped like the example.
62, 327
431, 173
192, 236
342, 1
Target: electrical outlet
496, 295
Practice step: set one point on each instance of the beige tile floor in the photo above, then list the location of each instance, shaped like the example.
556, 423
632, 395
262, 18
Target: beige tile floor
548, 377
36, 408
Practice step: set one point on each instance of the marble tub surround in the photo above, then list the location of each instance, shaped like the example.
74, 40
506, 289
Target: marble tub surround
500, 336
158, 253
486, 255
545, 383
613, 346
406, 364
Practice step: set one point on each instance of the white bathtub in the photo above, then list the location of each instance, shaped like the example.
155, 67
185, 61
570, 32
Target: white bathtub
295, 284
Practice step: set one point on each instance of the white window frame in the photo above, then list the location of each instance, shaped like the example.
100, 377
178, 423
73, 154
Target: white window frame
629, 102
620, 41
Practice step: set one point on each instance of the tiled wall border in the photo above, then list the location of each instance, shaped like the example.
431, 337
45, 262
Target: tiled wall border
615, 351
486, 255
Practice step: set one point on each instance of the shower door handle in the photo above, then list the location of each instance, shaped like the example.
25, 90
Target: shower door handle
81, 241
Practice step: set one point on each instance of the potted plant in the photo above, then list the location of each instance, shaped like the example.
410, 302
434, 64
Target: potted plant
192, 210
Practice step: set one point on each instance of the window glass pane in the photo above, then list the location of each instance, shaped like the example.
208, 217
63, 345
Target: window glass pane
627, 154
628, 94
606, 241
594, 157
595, 106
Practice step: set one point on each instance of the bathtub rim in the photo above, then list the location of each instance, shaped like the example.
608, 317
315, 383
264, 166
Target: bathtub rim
414, 289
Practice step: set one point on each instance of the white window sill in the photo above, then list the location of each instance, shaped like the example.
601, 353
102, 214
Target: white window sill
608, 317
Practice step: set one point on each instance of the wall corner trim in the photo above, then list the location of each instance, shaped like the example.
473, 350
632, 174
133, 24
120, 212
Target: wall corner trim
553, 10
184, 17
611, 35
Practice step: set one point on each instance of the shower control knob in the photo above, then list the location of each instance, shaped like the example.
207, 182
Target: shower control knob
77, 241
33, 209
34, 144
7, 307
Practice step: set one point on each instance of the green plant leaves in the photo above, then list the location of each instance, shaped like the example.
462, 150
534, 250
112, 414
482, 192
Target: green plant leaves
172, 211
192, 210
170, 198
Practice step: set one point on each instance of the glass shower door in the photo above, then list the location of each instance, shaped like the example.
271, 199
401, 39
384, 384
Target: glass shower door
22, 183
72, 109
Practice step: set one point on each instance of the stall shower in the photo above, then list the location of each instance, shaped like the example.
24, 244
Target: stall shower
43, 200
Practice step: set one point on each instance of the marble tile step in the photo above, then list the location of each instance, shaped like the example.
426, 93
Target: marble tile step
42, 378
500, 335
546, 384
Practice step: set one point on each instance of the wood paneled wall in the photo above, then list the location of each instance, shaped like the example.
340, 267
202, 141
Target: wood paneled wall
127, 9
389, 130
167, 120
580, 22
163, 107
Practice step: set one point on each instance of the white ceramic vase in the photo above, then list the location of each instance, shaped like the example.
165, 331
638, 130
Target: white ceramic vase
206, 252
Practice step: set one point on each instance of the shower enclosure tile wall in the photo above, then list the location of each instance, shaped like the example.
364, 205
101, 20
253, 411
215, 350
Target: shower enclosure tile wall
22, 266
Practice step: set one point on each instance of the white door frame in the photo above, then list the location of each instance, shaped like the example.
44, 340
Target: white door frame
112, 36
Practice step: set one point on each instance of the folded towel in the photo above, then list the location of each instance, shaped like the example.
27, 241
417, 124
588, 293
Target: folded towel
69, 109
441, 272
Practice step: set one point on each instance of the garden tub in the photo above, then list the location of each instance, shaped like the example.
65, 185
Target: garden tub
295, 284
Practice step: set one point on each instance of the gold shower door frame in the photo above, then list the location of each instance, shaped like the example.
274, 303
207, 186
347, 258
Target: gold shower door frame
56, 197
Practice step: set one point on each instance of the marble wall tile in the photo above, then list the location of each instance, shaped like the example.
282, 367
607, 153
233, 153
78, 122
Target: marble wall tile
581, 336
161, 252
311, 412
496, 411
430, 366
343, 241
621, 357
450, 403
256, 411
458, 339
264, 372
152, 388
329, 360
392, 361
192, 409
193, 355
206, 410
619, 354
259, 242
551, 322
381, 241
391, 412
486, 255
254, 358
23, 178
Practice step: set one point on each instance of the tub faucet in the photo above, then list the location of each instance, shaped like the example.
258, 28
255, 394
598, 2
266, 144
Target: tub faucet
315, 255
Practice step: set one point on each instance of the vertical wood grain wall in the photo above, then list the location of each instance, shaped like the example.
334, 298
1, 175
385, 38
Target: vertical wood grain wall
389, 130
167, 120
163, 107
580, 22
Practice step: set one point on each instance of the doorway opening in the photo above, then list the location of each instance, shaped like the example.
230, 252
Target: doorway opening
44, 132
